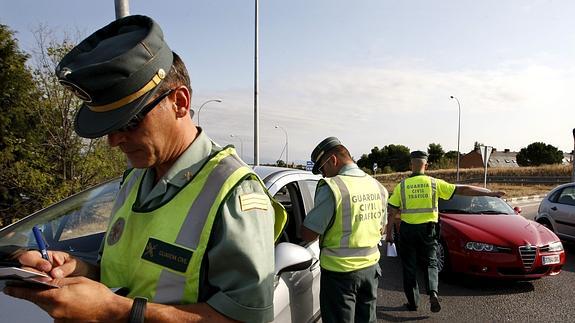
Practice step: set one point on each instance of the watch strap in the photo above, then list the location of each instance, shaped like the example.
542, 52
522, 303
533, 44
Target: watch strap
138, 311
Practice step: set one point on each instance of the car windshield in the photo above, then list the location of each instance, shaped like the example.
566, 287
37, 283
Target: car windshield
68, 224
475, 205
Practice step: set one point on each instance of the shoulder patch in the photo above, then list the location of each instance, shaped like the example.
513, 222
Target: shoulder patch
254, 201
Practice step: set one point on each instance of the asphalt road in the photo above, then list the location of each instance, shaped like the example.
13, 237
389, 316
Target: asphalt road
467, 299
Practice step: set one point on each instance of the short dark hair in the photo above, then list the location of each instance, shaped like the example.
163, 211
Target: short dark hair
178, 75
341, 152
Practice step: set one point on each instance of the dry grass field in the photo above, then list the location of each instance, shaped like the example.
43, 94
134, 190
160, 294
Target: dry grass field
512, 190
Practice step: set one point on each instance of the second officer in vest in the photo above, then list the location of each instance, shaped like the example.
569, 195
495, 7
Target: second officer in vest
416, 198
349, 212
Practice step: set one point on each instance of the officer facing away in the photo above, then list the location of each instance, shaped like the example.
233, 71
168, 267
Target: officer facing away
349, 212
192, 228
415, 199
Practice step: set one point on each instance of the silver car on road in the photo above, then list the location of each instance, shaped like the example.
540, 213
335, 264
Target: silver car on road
77, 224
557, 211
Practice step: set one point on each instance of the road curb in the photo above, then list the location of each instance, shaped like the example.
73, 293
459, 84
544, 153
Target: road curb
525, 198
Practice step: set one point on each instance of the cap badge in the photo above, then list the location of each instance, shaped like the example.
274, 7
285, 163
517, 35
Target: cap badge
83, 95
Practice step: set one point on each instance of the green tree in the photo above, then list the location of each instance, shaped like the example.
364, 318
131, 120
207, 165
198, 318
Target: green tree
42, 158
539, 153
396, 157
76, 162
22, 166
435, 152
452, 154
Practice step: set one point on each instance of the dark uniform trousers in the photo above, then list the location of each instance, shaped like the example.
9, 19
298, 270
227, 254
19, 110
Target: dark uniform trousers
349, 296
418, 242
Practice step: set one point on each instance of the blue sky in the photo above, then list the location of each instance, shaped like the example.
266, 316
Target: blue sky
372, 73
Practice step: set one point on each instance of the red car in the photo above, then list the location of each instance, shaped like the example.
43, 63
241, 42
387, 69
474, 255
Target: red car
484, 236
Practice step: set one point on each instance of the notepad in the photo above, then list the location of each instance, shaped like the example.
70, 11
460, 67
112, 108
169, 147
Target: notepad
19, 274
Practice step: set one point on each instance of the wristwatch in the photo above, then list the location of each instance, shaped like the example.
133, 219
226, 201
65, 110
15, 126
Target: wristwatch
138, 311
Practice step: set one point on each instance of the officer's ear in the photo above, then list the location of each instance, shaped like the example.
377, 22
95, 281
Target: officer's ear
181, 101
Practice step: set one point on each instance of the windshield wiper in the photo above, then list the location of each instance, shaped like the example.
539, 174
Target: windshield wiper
455, 211
490, 212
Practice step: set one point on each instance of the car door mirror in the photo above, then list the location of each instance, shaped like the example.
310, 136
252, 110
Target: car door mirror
517, 210
291, 257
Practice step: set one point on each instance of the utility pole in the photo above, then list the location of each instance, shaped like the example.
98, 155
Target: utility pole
122, 8
256, 89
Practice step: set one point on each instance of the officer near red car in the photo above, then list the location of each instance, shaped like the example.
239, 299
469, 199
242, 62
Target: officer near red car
415, 199
348, 216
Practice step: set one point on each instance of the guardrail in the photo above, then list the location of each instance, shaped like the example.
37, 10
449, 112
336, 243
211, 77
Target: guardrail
520, 179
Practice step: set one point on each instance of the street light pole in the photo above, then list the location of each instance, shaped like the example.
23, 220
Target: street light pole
201, 106
458, 134
122, 8
286, 134
256, 87
241, 145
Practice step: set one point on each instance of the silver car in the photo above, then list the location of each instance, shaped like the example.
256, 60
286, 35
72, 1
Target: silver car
77, 224
557, 211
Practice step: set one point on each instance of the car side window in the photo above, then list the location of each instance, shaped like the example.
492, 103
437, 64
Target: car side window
290, 197
308, 193
567, 196
554, 196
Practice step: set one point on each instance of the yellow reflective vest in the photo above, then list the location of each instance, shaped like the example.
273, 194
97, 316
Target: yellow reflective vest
351, 242
162, 260
417, 198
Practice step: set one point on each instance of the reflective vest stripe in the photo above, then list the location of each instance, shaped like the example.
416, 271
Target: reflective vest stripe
191, 230
126, 188
346, 212
433, 207
173, 287
189, 235
350, 252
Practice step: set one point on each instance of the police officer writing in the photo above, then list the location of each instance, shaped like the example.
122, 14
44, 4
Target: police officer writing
191, 234
349, 212
415, 200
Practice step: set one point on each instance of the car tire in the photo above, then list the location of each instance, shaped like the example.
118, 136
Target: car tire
442, 258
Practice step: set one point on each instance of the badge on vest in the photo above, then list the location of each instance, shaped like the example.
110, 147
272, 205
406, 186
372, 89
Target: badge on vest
116, 231
254, 201
167, 255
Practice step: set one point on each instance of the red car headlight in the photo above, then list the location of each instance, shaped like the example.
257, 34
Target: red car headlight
555, 246
480, 246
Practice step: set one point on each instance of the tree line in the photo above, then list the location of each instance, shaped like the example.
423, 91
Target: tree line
42, 160
395, 158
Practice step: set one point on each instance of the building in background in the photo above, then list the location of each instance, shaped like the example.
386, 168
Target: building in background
497, 159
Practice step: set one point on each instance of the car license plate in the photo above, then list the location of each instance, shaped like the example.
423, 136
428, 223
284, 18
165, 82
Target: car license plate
550, 260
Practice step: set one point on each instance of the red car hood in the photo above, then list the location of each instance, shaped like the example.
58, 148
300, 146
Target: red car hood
502, 230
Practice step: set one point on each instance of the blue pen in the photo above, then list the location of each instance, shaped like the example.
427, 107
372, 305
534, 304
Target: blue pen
41, 242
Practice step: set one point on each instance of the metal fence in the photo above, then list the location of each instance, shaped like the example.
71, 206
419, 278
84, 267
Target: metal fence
520, 179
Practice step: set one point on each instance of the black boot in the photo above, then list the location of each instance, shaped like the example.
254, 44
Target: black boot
434, 302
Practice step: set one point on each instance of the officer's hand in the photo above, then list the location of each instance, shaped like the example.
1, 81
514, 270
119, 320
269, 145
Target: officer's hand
62, 265
389, 236
77, 299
